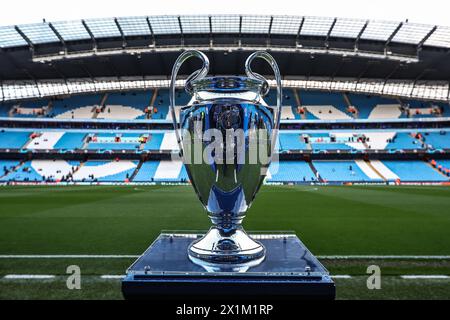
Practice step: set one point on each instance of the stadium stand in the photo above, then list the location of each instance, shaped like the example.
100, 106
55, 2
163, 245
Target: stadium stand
324, 135
7, 166
70, 141
436, 140
105, 171
290, 171
161, 104
372, 107
147, 172
331, 171
42, 170
44, 140
291, 141
154, 141
404, 141
414, 171
324, 105
125, 105
168, 171
76, 107
30, 109
13, 140
5, 108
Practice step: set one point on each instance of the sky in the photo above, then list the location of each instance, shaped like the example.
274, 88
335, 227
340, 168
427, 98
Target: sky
30, 11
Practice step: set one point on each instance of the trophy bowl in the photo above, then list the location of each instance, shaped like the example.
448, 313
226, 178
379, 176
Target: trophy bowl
226, 135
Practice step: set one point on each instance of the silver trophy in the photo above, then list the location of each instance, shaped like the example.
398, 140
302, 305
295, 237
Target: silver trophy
226, 177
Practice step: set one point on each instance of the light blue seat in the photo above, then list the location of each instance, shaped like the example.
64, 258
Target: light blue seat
118, 177
291, 171
319, 98
13, 140
24, 174
74, 102
330, 146
6, 167
365, 104
70, 141
437, 140
5, 108
139, 100
291, 141
112, 146
340, 171
154, 142
146, 172
404, 141
414, 171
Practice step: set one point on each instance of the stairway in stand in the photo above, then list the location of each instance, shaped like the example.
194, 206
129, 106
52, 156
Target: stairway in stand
136, 170
313, 169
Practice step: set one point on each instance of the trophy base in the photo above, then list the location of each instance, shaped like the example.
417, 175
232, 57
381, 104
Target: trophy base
164, 271
237, 250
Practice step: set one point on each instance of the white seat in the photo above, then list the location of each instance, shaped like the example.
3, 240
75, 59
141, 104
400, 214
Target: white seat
168, 169
120, 112
46, 140
323, 113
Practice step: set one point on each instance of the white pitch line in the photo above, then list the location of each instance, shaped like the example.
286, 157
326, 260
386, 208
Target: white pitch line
423, 276
110, 276
129, 256
341, 276
29, 276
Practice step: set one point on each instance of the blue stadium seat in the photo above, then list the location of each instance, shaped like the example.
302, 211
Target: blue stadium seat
13, 140
70, 141
139, 100
112, 146
291, 171
437, 140
6, 166
414, 171
365, 104
404, 141
291, 141
146, 172
71, 103
340, 171
318, 98
25, 173
5, 108
162, 104
330, 146
154, 141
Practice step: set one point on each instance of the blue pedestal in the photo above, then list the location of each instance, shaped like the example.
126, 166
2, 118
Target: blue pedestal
289, 269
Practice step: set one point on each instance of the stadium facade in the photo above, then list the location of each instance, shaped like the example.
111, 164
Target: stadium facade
87, 101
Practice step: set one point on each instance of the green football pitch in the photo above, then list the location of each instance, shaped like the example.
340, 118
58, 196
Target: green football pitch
342, 221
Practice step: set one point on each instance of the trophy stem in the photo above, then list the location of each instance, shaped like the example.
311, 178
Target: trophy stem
221, 247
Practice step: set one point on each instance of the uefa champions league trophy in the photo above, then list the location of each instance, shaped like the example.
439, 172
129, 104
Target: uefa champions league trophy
226, 136
226, 180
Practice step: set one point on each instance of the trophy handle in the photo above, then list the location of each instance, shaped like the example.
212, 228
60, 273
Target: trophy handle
248, 70
198, 74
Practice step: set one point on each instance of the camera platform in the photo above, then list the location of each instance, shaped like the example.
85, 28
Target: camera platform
289, 269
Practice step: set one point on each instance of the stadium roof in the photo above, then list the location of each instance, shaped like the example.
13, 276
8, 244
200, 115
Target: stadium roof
148, 45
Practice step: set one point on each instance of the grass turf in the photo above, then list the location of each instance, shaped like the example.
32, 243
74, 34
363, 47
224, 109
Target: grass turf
369, 220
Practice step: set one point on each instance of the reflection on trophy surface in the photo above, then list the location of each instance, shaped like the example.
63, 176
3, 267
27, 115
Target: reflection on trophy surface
226, 137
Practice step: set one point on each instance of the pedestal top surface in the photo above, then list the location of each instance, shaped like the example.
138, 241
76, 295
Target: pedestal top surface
285, 255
